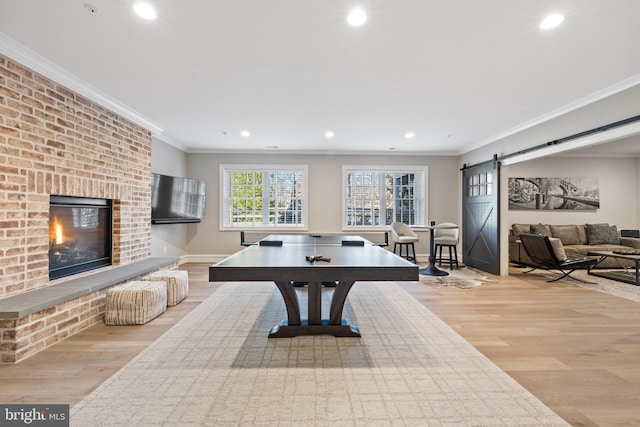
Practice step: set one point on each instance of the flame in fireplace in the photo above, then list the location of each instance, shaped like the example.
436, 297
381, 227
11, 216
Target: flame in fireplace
57, 229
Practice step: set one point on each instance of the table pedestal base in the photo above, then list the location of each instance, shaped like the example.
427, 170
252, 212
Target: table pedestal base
431, 269
284, 330
294, 326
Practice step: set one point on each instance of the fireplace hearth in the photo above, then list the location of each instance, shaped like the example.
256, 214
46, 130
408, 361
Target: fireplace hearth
79, 235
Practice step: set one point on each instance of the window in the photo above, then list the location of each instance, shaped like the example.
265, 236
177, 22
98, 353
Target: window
480, 184
377, 196
263, 197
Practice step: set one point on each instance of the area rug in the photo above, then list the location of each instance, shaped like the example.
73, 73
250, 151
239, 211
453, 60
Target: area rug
216, 367
464, 278
600, 284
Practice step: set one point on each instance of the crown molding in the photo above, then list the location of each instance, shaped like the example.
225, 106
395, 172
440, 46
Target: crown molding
168, 140
584, 142
589, 99
41, 65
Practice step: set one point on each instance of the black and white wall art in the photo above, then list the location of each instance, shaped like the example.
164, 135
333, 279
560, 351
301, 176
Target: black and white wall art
581, 194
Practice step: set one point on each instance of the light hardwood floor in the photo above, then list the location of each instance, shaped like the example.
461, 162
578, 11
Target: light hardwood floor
576, 350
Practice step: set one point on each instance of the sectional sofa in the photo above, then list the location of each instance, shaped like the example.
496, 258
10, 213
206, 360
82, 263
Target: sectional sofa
575, 239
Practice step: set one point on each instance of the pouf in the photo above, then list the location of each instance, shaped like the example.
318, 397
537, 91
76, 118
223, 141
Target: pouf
135, 302
177, 284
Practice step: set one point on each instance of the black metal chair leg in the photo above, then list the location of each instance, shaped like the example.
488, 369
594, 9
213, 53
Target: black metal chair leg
455, 254
568, 274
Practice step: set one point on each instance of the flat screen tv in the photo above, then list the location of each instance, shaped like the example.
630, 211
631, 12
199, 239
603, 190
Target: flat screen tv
176, 200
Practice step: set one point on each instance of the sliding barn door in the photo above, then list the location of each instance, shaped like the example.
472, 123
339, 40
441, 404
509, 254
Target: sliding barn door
480, 217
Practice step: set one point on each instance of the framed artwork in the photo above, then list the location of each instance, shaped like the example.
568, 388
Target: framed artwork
577, 194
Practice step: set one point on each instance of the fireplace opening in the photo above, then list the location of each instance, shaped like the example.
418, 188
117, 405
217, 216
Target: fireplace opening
79, 235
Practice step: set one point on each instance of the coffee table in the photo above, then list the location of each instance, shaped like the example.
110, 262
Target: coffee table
625, 274
282, 259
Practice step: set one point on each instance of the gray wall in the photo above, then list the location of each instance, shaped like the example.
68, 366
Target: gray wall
168, 240
638, 189
205, 241
617, 179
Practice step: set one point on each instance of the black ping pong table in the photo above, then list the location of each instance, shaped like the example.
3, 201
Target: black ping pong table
313, 259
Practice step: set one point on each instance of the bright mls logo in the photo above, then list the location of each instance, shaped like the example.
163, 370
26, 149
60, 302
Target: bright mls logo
34, 415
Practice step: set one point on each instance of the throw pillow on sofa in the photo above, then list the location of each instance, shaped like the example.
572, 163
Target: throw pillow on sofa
583, 239
518, 229
603, 234
541, 229
568, 234
558, 248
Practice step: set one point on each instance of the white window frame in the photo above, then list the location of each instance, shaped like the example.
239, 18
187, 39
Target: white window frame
421, 171
224, 197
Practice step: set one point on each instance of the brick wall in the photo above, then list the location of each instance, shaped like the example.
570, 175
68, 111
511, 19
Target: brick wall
54, 141
26, 336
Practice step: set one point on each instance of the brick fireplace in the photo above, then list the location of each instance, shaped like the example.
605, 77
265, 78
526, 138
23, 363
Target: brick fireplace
79, 235
56, 142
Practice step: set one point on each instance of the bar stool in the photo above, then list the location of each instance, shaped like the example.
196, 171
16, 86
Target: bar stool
403, 236
448, 238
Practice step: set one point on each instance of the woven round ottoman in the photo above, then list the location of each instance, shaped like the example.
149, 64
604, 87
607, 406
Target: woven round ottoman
135, 303
177, 284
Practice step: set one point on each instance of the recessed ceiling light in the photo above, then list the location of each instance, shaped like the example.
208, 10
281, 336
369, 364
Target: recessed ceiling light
245, 133
91, 8
409, 135
357, 17
551, 21
329, 134
145, 10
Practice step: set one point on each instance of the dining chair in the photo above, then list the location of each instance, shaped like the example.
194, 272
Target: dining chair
403, 236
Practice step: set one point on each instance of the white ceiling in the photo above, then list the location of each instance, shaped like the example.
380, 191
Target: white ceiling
457, 73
